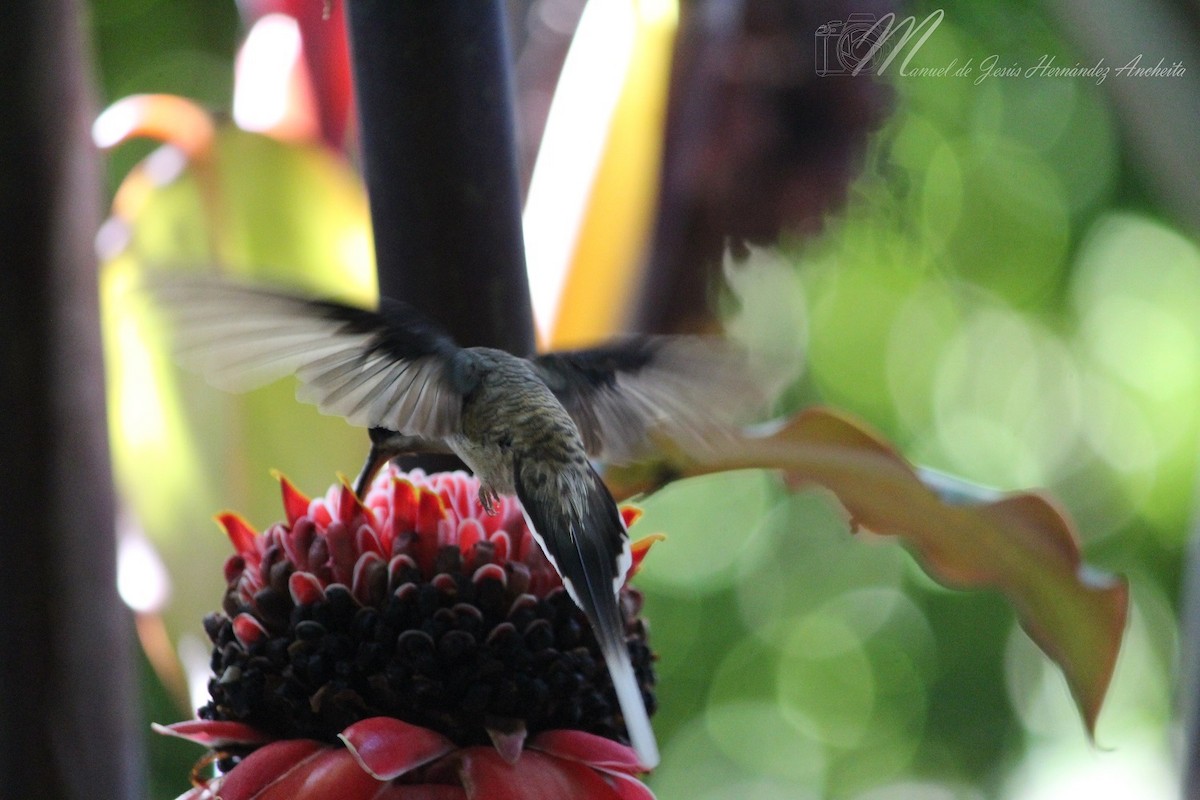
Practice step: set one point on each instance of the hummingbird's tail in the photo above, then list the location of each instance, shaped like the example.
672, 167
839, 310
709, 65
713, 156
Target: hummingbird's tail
581, 531
609, 627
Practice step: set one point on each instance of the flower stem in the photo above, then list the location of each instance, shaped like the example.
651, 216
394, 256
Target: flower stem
433, 86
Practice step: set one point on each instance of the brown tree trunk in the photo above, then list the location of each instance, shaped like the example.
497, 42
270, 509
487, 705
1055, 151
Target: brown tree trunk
67, 701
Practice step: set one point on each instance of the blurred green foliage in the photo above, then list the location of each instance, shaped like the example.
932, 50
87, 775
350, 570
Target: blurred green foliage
998, 298
265, 211
182, 47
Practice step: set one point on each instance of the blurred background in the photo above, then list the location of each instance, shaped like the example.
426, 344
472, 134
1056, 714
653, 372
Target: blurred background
1009, 292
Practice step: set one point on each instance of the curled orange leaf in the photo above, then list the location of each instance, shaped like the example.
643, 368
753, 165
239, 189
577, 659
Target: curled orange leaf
1021, 545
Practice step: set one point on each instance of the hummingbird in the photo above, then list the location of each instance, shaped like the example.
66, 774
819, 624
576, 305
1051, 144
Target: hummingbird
527, 427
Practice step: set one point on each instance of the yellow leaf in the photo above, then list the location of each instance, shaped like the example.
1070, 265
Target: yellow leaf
606, 255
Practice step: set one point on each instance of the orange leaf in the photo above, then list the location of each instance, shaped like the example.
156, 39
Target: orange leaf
1021, 545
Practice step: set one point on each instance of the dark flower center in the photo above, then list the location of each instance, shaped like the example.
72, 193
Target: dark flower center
462, 652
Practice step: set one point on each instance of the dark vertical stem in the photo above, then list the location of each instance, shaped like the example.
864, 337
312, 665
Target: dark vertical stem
752, 153
67, 705
433, 87
685, 254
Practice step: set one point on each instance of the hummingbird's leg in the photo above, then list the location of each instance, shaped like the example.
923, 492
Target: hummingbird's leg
488, 499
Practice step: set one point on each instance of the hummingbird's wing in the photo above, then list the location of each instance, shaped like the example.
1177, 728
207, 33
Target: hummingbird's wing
578, 526
380, 369
693, 390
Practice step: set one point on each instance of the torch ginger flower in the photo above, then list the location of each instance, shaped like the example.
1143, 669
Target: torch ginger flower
409, 646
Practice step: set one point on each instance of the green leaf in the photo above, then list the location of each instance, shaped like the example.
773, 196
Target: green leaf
250, 206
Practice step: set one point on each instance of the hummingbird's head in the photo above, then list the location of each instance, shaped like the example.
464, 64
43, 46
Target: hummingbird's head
465, 371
